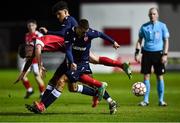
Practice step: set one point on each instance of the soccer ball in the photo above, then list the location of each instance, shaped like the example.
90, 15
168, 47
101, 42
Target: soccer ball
139, 89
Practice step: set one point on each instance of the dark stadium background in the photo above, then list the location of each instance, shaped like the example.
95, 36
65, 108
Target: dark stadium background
14, 14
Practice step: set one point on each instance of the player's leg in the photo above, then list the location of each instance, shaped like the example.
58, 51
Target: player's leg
26, 82
112, 103
146, 64
38, 78
53, 90
110, 62
83, 89
86, 79
39, 107
145, 102
27, 85
56, 92
160, 89
78, 74
159, 69
91, 91
53, 81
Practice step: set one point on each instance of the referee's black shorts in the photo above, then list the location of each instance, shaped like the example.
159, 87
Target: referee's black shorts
150, 59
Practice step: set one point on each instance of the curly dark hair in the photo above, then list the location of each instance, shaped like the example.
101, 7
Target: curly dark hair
84, 23
59, 6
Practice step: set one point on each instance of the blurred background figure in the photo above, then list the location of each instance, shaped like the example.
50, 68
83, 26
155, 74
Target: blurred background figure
32, 34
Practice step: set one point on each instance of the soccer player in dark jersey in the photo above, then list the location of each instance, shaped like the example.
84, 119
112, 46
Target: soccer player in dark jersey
54, 41
47, 44
67, 22
79, 66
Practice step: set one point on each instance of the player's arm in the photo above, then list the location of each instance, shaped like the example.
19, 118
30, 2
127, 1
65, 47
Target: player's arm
137, 50
38, 55
26, 67
166, 44
165, 50
138, 45
62, 30
106, 37
68, 45
42, 69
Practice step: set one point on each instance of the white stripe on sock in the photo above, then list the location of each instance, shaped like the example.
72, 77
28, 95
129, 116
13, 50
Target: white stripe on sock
56, 93
30, 89
80, 88
109, 100
49, 87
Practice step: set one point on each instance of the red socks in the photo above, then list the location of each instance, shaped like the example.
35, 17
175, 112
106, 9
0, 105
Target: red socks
86, 79
41, 88
110, 62
26, 84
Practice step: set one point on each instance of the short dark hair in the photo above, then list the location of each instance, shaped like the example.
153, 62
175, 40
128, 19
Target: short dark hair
59, 6
31, 21
21, 50
84, 23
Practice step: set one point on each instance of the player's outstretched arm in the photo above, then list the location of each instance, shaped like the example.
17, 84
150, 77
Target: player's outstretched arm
106, 37
26, 67
116, 45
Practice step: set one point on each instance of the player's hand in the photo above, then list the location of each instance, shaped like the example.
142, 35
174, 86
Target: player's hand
42, 72
116, 45
43, 30
164, 59
137, 58
73, 66
16, 81
20, 77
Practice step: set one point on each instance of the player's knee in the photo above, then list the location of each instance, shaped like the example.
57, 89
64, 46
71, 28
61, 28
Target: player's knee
36, 73
24, 78
73, 88
60, 83
94, 59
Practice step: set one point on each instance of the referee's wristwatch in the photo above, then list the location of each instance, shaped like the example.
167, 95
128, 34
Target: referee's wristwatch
165, 54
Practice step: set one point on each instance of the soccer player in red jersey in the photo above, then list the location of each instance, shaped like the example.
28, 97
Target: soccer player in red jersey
32, 33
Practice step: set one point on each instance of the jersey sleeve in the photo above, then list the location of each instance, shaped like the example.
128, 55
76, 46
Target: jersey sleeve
39, 34
97, 34
165, 32
63, 28
68, 45
141, 32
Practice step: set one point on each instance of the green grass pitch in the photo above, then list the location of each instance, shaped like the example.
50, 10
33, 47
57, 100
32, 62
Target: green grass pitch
71, 107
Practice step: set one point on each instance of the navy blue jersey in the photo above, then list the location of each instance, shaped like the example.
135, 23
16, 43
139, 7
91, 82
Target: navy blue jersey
77, 49
67, 23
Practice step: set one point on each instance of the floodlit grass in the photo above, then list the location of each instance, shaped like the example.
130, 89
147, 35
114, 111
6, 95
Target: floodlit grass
71, 107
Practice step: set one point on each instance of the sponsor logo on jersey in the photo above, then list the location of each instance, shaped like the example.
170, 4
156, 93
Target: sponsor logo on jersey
79, 48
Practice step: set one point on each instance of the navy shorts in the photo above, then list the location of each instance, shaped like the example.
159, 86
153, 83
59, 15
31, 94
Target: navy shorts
150, 59
62, 69
82, 68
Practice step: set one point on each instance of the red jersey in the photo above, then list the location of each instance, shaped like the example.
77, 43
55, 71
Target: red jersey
50, 43
29, 38
53, 43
